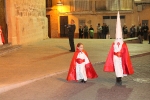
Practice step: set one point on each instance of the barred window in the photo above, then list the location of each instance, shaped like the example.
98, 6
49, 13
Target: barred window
112, 5
80, 5
100, 5
126, 4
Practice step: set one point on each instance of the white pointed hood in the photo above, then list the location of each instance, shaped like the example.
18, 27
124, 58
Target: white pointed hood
118, 29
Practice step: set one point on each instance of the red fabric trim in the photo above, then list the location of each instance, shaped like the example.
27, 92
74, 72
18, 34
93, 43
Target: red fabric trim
80, 61
118, 54
109, 64
2, 37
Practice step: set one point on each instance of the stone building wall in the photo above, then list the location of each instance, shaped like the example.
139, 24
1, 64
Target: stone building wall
26, 20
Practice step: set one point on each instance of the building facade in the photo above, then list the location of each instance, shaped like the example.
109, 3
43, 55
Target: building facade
26, 21
92, 12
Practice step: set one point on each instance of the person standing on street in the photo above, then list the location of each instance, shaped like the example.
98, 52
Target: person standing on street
85, 30
91, 32
80, 67
145, 31
132, 31
140, 33
125, 31
71, 28
118, 59
104, 31
99, 31
80, 32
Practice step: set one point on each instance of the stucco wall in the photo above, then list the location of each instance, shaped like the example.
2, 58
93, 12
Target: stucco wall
26, 21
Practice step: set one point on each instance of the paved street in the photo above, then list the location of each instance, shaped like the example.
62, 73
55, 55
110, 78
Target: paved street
38, 71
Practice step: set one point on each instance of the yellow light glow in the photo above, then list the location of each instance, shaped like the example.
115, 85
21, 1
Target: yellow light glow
63, 9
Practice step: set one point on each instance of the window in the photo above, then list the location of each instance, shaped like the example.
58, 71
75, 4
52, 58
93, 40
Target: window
113, 17
106, 17
81, 22
126, 4
80, 5
100, 5
113, 5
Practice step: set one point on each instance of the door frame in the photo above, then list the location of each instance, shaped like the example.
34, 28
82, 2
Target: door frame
63, 26
49, 26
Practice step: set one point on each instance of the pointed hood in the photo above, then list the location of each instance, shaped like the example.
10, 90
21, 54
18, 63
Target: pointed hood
118, 27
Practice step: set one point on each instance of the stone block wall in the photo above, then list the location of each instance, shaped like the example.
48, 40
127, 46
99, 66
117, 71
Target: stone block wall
27, 21
30, 30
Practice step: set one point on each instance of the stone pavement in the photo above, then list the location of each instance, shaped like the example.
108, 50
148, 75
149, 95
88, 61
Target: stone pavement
45, 64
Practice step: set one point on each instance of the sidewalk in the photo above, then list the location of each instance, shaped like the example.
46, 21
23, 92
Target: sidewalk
50, 57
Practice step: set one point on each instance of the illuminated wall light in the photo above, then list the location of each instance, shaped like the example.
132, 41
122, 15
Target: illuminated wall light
59, 3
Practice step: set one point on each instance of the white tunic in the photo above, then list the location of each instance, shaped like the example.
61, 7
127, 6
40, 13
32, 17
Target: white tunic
80, 68
117, 60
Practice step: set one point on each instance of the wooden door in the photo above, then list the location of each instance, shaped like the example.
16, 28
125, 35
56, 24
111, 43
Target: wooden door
63, 24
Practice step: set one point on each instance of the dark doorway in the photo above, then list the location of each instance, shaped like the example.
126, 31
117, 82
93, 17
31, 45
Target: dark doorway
49, 26
63, 26
3, 20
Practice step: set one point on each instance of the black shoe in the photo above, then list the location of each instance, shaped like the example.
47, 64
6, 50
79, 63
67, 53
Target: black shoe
118, 81
72, 50
82, 80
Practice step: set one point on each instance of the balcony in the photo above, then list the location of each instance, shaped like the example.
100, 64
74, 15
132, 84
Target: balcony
100, 6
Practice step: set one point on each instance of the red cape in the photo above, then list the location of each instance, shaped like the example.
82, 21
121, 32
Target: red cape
126, 62
2, 37
90, 72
